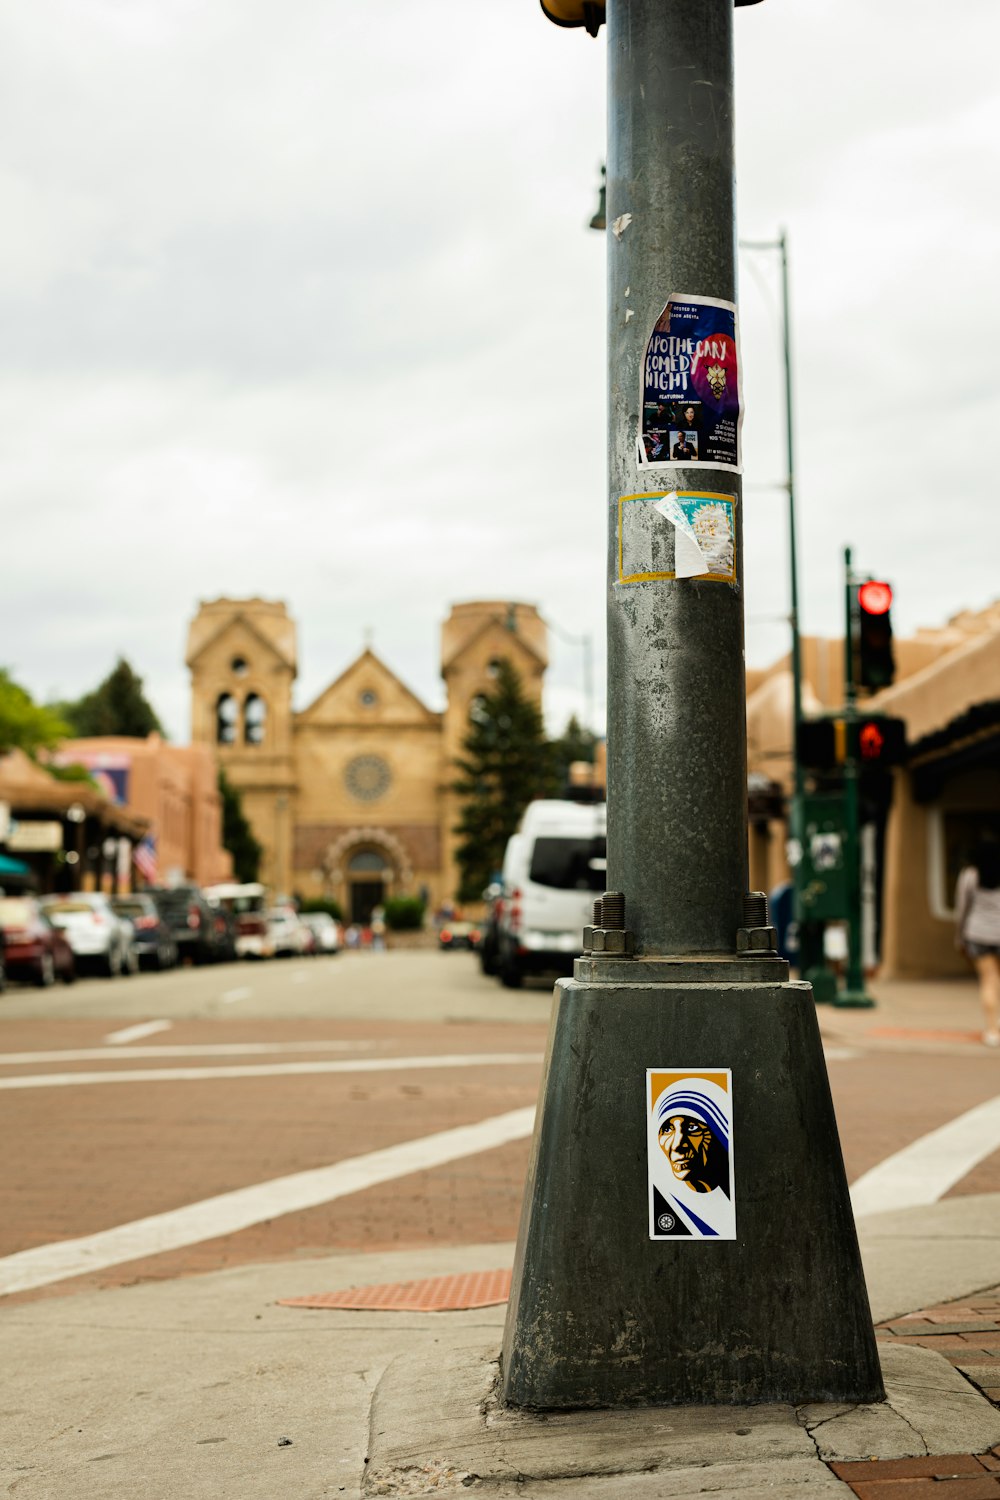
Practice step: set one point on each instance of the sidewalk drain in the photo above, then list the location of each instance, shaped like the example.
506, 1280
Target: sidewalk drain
434, 1294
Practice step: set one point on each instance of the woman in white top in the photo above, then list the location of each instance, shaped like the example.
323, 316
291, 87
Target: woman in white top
977, 917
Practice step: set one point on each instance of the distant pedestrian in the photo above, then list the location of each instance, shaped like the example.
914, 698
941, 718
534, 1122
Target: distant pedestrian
378, 928
977, 920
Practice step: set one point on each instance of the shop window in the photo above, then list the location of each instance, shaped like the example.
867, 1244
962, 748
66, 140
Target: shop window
226, 716
254, 719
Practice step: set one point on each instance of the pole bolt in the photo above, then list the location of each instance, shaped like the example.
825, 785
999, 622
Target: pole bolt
756, 935
609, 934
613, 911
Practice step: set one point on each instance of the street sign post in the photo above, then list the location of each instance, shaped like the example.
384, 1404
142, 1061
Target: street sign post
687, 1233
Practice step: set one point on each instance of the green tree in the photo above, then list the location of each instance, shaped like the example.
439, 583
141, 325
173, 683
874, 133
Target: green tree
117, 706
507, 762
237, 835
575, 743
25, 724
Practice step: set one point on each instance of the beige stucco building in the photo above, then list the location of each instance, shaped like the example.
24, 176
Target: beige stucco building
349, 796
946, 795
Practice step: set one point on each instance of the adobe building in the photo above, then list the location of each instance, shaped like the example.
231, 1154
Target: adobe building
945, 796
174, 789
350, 797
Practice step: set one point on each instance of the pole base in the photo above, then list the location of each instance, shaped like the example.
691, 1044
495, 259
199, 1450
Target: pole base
602, 1315
854, 999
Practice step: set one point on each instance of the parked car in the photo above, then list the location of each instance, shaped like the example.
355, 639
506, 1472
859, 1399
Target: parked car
325, 930
553, 867
97, 935
489, 941
153, 941
32, 948
287, 934
247, 905
458, 934
203, 933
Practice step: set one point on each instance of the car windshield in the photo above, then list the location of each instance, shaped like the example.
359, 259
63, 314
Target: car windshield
68, 909
130, 908
14, 913
569, 864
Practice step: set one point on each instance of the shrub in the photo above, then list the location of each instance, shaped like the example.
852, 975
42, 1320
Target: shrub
404, 914
323, 903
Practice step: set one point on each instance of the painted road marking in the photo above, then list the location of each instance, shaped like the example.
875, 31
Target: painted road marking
924, 1171
177, 1049
231, 1212
230, 997
136, 1033
269, 1070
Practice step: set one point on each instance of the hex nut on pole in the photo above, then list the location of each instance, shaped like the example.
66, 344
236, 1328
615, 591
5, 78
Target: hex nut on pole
756, 935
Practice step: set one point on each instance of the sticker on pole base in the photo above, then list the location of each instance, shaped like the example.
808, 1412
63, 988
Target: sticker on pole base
690, 1153
691, 404
677, 534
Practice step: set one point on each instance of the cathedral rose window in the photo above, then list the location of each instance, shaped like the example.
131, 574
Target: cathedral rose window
367, 777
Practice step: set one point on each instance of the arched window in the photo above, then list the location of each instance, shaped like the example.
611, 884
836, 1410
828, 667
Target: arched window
226, 715
254, 719
366, 862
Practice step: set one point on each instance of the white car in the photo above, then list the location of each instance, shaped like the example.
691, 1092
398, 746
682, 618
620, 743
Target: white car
325, 931
285, 932
94, 931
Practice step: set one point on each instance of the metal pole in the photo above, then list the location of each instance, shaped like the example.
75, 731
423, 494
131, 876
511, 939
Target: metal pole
612, 1303
854, 992
677, 785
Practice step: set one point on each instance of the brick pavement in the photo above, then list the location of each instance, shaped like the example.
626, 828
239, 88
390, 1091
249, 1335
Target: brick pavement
967, 1334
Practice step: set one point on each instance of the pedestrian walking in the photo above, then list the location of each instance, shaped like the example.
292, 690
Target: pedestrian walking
378, 929
977, 920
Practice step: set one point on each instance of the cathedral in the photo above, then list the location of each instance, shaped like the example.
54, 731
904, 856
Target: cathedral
350, 797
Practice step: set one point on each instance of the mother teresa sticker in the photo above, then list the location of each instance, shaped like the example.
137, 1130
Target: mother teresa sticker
690, 1153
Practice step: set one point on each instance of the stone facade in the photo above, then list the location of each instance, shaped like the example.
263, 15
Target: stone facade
349, 796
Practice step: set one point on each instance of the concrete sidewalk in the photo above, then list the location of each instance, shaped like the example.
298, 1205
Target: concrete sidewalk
204, 1387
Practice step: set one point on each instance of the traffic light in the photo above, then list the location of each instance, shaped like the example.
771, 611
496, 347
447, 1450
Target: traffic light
876, 665
820, 744
879, 742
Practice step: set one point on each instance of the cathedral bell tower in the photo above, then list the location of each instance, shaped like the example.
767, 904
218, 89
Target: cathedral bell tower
241, 654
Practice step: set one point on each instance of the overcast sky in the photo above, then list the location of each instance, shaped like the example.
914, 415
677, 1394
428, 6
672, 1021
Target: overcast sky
294, 298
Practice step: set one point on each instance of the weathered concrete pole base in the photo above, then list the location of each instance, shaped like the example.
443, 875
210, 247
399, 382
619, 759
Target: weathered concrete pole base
600, 1314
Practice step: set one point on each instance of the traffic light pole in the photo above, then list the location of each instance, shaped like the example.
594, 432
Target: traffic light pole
854, 993
611, 1303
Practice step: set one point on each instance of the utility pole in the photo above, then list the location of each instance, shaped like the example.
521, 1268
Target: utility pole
682, 1064
854, 992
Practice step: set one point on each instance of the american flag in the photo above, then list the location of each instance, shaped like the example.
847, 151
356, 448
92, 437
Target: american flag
144, 858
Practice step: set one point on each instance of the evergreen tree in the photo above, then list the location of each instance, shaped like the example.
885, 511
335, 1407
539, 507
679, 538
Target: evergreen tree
25, 724
237, 835
507, 762
117, 706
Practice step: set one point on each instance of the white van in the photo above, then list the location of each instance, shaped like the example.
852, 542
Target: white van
554, 866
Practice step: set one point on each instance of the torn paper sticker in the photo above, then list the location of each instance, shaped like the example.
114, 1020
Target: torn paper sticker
691, 405
704, 534
677, 534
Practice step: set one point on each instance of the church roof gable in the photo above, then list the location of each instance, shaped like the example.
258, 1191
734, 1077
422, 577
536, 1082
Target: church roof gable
342, 702
494, 624
227, 627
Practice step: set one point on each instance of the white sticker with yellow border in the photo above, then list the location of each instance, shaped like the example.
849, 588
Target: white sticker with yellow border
690, 1152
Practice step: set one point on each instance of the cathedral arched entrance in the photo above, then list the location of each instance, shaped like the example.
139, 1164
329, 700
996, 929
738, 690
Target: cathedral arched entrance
364, 868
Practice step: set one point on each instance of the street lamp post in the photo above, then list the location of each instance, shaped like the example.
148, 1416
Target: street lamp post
615, 1301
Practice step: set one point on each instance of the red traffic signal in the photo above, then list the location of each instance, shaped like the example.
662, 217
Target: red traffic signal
876, 664
875, 597
880, 741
